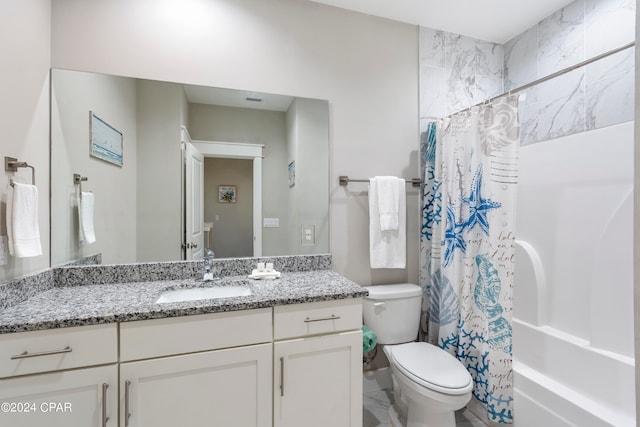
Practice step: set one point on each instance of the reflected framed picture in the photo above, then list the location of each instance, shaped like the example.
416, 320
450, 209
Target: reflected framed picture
227, 193
292, 173
105, 140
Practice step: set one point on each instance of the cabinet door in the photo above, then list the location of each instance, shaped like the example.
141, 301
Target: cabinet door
61, 399
226, 388
318, 381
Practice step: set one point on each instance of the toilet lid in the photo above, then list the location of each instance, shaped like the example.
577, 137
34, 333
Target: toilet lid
400, 290
432, 367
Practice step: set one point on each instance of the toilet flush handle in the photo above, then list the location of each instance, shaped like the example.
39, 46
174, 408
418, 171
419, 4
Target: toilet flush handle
378, 304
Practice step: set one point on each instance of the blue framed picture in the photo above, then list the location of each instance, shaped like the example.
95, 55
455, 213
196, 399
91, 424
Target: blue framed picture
106, 141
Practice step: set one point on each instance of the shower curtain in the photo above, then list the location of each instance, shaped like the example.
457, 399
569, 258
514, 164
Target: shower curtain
470, 171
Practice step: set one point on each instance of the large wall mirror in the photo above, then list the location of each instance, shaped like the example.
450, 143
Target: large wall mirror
140, 213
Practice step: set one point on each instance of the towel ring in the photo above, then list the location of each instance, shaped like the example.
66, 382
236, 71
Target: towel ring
11, 164
77, 180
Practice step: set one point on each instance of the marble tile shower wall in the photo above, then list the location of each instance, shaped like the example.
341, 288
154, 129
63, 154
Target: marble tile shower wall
457, 72
594, 96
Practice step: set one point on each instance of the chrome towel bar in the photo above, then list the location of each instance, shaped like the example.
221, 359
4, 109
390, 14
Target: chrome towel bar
344, 180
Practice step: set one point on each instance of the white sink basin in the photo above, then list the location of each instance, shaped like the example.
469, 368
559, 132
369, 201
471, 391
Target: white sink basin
213, 292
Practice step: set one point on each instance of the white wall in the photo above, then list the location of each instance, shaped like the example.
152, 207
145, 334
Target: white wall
292, 155
636, 221
366, 67
161, 109
112, 99
24, 112
308, 147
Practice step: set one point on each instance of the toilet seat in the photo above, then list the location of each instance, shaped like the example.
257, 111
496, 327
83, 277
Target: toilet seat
431, 367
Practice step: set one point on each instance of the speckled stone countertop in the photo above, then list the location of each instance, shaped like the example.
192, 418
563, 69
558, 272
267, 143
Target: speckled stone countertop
65, 306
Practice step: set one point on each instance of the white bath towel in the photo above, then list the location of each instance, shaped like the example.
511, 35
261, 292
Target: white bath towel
388, 195
23, 231
85, 216
387, 248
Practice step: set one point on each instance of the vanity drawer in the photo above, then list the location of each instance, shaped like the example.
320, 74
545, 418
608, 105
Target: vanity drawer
316, 318
57, 349
144, 339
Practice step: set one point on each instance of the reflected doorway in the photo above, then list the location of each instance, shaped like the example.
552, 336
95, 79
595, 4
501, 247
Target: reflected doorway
214, 153
228, 206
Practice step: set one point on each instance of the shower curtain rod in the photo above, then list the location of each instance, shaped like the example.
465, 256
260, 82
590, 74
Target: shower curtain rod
553, 75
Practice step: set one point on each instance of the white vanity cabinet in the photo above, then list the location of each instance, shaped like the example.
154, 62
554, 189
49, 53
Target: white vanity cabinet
40, 385
289, 366
184, 381
318, 364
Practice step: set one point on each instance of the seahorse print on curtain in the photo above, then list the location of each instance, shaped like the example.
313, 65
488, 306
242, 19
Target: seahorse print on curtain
469, 166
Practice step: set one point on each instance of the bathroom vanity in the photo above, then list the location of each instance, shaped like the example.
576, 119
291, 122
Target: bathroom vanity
289, 354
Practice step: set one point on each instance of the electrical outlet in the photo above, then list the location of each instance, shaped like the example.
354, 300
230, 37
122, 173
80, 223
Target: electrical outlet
308, 234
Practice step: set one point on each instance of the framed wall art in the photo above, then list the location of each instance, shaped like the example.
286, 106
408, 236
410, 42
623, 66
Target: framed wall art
292, 173
106, 141
227, 193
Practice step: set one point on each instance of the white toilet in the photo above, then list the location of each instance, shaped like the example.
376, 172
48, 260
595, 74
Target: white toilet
428, 383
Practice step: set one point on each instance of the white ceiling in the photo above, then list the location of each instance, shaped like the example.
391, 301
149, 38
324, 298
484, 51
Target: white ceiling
236, 98
491, 20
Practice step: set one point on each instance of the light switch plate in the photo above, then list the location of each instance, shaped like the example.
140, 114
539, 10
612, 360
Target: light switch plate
271, 222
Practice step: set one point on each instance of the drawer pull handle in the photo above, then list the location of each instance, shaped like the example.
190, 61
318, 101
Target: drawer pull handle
127, 413
25, 354
282, 376
105, 419
321, 319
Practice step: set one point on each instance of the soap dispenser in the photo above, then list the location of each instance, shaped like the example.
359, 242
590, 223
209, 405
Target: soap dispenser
208, 265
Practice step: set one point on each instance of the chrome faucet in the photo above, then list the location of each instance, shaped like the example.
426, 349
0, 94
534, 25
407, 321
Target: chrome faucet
208, 265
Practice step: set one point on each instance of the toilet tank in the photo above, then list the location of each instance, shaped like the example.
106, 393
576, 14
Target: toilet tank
392, 312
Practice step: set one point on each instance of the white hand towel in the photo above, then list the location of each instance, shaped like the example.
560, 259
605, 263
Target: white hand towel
388, 248
85, 217
388, 200
23, 230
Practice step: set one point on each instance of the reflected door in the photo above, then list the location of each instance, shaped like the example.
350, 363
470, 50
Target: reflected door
194, 202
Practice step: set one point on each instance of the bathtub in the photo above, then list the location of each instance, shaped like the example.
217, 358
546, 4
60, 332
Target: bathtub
562, 381
573, 356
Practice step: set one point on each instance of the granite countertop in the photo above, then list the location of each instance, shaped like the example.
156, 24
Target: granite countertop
121, 302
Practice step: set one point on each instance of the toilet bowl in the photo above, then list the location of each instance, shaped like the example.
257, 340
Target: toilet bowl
429, 384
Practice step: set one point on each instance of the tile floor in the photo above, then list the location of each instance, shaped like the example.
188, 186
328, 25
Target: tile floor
376, 404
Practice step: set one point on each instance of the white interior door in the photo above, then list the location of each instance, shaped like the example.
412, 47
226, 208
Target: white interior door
194, 202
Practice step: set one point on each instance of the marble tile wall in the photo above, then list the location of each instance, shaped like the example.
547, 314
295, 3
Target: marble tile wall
456, 71
598, 95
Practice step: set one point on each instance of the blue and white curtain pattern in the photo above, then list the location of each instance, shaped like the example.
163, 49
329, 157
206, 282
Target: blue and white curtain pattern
470, 166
